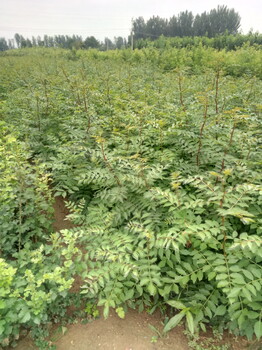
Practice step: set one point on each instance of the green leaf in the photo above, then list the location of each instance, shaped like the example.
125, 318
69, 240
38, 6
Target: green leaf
26, 317
64, 330
221, 268
101, 302
222, 276
129, 294
181, 271
2, 326
120, 312
211, 275
188, 267
256, 272
190, 322
173, 322
193, 277
106, 311
184, 280
221, 310
248, 274
139, 289
238, 278
255, 306
144, 281
151, 288
253, 315
241, 319
234, 292
37, 320
247, 294
252, 289
235, 268
208, 312
175, 288
222, 284
258, 329
238, 212
176, 304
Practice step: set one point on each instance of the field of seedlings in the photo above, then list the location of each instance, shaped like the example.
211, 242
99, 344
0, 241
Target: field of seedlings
157, 156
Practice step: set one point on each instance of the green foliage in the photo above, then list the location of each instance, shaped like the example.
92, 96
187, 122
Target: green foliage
218, 21
219, 42
25, 204
36, 267
3, 44
34, 283
208, 343
158, 155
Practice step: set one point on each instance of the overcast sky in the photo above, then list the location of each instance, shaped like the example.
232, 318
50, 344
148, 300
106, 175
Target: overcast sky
103, 18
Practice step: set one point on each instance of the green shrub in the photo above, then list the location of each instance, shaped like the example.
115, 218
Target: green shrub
34, 283
25, 205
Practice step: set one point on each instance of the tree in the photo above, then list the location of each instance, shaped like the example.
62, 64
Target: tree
23, 42
34, 41
77, 42
46, 40
18, 40
185, 22
139, 28
3, 44
11, 44
39, 41
223, 20
119, 42
156, 26
28, 43
218, 21
173, 27
108, 45
91, 42
201, 26
51, 41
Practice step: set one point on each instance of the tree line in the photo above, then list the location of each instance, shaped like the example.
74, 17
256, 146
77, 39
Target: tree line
63, 41
216, 22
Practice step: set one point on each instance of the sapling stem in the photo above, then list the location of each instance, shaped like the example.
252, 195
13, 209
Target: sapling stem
217, 90
109, 165
201, 131
181, 97
44, 82
38, 113
229, 145
222, 200
86, 110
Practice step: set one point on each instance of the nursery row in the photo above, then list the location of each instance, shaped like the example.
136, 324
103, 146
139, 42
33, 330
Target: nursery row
158, 157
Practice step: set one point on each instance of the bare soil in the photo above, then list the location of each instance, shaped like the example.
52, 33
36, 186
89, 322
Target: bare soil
131, 333
60, 221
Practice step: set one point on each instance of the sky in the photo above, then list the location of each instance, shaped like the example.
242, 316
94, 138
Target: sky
102, 18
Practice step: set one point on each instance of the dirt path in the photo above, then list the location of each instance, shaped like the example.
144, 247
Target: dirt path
131, 333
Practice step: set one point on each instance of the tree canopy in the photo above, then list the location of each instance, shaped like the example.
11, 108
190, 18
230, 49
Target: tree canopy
218, 21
